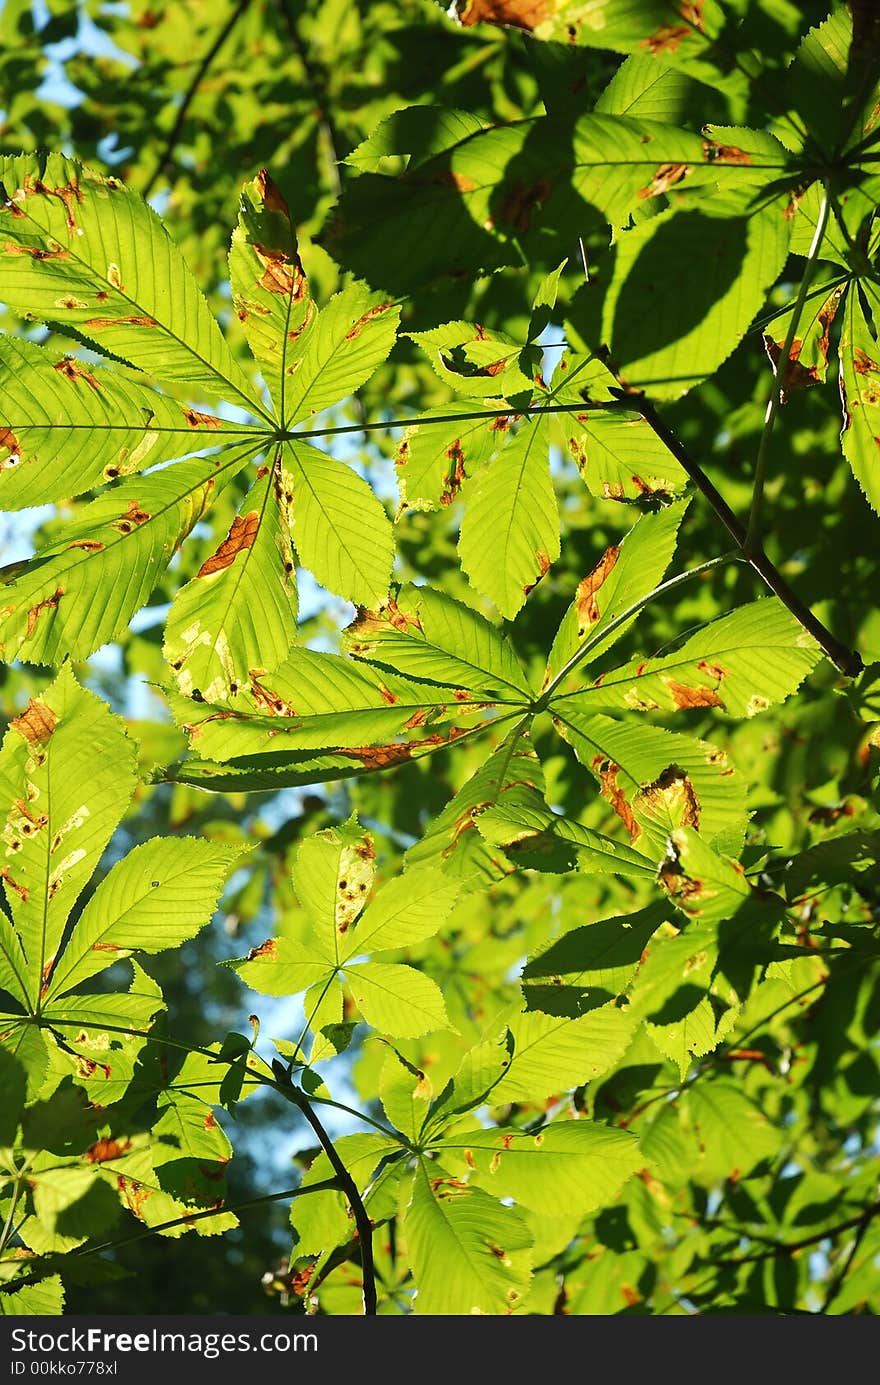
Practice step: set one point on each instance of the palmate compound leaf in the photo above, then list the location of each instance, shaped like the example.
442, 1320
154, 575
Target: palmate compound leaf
333, 875
85, 255
67, 774
475, 205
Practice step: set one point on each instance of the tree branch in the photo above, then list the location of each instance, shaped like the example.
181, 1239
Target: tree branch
298, 1098
847, 660
189, 94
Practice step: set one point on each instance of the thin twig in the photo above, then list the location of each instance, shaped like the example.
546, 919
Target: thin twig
792, 1247
847, 660
189, 94
48, 1267
347, 1185
318, 91
837, 1281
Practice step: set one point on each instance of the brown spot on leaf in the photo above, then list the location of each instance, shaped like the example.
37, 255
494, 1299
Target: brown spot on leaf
282, 273
9, 441
36, 252
417, 719
268, 949
586, 604
50, 603
725, 153
862, 363
611, 790
612, 490
450, 179
357, 327
666, 39
387, 695
36, 723
519, 14
133, 518
133, 1193
74, 370
197, 420
521, 201
684, 696
672, 793
87, 545
265, 698
271, 197
209, 1122
310, 313
716, 671
69, 194
100, 324
241, 537
456, 476
105, 1149
667, 176
21, 890
106, 947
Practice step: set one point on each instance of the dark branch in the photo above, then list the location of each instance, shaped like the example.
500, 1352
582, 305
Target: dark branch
189, 94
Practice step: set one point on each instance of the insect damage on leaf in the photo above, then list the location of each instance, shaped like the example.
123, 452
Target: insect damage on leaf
240, 538
518, 14
586, 604
36, 723
672, 794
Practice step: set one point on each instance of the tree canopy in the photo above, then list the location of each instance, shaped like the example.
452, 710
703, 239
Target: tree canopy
440, 779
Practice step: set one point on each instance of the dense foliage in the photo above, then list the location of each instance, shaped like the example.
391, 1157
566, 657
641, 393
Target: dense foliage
441, 658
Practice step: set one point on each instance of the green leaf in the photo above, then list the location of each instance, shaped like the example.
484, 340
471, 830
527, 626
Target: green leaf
742, 663
625, 573
435, 458
239, 611
510, 531
552, 1054
333, 876
860, 388
665, 341
531, 835
84, 252
591, 965
82, 589
42, 1300
572, 1166
13, 1093
733, 1133
269, 289
469, 1253
645, 88
452, 840
414, 133
405, 1093
340, 528
808, 356
67, 773
422, 633
337, 351
317, 701
618, 454
66, 427
407, 910
657, 781
477, 363
397, 1000
158, 897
